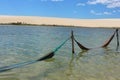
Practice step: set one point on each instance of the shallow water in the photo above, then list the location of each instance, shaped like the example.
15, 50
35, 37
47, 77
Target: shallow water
23, 43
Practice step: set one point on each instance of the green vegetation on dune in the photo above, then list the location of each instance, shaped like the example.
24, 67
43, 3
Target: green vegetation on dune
22, 23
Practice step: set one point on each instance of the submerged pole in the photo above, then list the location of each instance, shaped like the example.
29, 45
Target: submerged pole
72, 39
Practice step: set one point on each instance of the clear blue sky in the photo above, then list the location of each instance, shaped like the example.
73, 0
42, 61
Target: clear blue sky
81, 9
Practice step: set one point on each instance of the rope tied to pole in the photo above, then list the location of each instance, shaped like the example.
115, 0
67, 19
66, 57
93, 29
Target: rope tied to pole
56, 49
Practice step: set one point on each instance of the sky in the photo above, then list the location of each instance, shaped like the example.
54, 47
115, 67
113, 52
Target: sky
80, 9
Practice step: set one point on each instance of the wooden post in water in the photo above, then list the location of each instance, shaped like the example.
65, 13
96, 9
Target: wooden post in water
72, 39
117, 35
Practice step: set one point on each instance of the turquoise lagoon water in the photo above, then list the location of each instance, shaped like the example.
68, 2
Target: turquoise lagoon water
24, 43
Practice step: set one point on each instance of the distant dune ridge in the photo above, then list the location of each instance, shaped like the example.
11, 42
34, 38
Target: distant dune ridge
107, 23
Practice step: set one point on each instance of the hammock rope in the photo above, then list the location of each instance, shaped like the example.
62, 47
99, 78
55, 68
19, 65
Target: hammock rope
18, 65
56, 49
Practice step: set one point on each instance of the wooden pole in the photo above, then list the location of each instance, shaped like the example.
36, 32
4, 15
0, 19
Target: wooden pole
72, 39
117, 35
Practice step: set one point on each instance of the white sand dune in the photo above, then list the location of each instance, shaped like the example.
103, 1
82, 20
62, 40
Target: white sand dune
107, 23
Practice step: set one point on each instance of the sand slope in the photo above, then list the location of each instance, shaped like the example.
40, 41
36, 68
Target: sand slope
108, 23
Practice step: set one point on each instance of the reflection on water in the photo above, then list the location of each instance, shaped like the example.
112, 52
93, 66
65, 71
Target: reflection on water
19, 44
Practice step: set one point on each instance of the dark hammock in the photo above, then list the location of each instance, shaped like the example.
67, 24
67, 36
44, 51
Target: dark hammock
104, 45
81, 46
110, 39
47, 56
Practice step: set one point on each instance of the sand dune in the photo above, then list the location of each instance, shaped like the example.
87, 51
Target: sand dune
108, 23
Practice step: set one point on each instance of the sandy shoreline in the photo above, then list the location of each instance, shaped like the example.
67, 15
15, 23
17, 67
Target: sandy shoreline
106, 23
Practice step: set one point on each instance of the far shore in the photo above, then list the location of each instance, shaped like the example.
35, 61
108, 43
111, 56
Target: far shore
63, 22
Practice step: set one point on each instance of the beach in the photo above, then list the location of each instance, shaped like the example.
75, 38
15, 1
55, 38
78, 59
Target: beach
35, 20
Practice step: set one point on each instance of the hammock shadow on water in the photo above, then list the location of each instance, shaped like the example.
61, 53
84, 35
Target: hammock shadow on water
69, 71
81, 54
109, 51
85, 56
72, 62
50, 60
